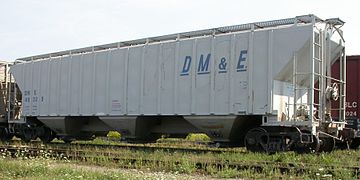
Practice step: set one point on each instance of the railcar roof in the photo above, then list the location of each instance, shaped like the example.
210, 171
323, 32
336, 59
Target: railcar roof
220, 30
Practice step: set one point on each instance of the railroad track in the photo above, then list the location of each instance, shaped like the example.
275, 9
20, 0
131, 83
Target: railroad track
135, 147
98, 155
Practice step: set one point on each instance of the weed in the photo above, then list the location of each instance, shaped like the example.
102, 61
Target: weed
197, 137
185, 166
227, 172
113, 135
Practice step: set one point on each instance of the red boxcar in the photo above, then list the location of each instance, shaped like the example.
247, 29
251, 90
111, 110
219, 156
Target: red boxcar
352, 91
352, 87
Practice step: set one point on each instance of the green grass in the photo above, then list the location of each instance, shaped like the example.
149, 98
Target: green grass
45, 169
318, 165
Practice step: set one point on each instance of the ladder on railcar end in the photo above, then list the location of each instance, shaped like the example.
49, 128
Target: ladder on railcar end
310, 111
317, 83
332, 83
342, 82
335, 24
324, 86
12, 95
3, 92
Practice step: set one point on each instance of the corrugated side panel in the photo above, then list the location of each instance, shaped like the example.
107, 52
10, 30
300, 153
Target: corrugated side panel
224, 74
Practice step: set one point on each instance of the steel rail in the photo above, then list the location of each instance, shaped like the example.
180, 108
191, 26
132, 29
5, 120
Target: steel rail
85, 155
135, 147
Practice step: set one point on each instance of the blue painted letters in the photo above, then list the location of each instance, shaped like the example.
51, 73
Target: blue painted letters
222, 65
242, 58
203, 64
186, 67
203, 67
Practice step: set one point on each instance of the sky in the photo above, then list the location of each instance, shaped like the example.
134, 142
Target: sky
33, 27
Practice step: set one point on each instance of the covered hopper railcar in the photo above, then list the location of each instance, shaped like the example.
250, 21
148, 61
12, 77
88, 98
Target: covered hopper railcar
252, 84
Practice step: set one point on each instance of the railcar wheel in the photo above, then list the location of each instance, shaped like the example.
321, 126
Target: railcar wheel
6, 138
355, 143
47, 135
302, 148
327, 144
257, 140
26, 135
5, 135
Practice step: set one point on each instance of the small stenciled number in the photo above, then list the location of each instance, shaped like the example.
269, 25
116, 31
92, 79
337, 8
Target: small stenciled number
26, 93
351, 113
